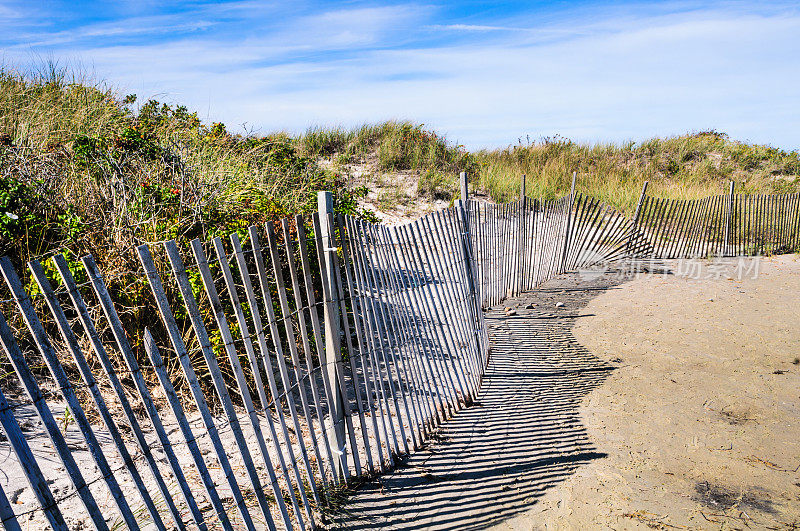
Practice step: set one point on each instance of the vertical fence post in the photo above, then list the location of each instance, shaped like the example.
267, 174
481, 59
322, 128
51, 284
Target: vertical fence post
333, 352
569, 219
463, 204
728, 222
462, 207
636, 216
521, 236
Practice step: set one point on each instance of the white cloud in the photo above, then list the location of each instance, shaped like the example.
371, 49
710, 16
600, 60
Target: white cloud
129, 28
7, 12
601, 79
472, 27
349, 27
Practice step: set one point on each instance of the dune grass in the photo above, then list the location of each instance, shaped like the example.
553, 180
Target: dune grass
687, 166
76, 154
84, 170
391, 146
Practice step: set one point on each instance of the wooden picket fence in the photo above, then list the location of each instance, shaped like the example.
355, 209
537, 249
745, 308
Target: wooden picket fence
723, 225
520, 245
306, 362
317, 377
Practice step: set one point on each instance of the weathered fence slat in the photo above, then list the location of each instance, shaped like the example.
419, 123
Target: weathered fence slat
444, 233
338, 470
261, 338
285, 377
184, 286
124, 347
301, 309
222, 260
443, 302
354, 348
67, 392
401, 335
326, 257
241, 382
34, 393
32, 472
189, 438
9, 519
108, 368
462, 277
377, 341
417, 334
176, 339
382, 319
88, 378
412, 338
434, 309
437, 341
325, 240
291, 336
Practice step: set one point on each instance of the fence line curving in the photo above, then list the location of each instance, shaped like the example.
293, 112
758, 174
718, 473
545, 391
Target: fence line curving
287, 364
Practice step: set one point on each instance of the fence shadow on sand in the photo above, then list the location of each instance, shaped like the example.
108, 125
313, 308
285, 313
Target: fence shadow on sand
522, 437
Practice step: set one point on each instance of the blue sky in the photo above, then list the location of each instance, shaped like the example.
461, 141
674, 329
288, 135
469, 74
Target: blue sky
485, 74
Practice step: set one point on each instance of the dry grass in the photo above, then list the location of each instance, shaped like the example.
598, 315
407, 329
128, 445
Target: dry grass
683, 167
389, 145
80, 166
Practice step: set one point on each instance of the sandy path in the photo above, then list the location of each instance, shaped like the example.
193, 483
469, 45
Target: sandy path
701, 420
666, 402
493, 460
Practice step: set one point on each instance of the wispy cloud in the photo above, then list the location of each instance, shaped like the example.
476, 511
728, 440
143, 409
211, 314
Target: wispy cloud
351, 27
474, 27
9, 13
137, 27
595, 73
